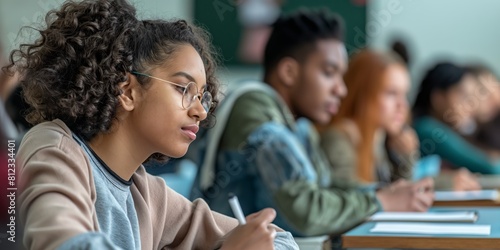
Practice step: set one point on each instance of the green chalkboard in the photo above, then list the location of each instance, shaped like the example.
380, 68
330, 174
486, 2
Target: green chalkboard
220, 18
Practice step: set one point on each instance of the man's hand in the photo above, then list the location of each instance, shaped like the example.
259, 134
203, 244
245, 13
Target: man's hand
404, 196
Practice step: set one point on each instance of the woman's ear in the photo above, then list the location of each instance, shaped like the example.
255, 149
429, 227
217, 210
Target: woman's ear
288, 71
127, 92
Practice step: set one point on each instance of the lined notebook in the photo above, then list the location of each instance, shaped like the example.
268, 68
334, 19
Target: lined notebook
454, 216
431, 228
467, 195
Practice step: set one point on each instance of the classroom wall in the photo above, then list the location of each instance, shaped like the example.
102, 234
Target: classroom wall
17, 13
461, 29
435, 29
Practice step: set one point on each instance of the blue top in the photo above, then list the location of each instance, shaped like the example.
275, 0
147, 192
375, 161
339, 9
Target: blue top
437, 138
115, 210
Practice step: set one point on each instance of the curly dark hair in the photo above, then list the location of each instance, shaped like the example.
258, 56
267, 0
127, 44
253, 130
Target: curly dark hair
73, 70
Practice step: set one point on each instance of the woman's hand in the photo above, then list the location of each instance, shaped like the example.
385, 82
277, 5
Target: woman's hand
463, 180
258, 233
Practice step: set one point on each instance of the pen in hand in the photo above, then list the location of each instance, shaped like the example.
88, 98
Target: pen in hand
235, 206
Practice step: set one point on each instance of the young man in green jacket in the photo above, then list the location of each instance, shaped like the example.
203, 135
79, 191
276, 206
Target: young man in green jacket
268, 153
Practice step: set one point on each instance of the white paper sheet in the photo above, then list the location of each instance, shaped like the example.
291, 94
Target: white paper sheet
466, 195
431, 228
458, 216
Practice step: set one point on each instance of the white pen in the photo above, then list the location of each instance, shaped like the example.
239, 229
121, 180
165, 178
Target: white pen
235, 206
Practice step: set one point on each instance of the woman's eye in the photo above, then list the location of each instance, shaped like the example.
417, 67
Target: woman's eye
328, 73
180, 89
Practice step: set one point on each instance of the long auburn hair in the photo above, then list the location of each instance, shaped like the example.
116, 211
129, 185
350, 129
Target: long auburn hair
364, 82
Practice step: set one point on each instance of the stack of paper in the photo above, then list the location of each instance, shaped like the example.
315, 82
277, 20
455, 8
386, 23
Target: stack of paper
458, 216
431, 228
467, 195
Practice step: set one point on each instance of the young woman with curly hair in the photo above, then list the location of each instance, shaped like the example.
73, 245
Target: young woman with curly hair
107, 92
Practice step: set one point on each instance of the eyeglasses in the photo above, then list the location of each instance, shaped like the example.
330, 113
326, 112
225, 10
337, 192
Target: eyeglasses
189, 93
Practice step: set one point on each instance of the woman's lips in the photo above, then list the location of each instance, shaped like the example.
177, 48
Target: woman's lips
332, 108
190, 131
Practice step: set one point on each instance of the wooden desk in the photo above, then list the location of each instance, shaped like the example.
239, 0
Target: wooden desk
480, 203
360, 237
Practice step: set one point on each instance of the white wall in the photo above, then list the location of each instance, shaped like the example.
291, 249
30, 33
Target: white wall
464, 30
17, 13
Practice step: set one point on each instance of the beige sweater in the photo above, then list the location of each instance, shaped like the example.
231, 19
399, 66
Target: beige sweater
57, 201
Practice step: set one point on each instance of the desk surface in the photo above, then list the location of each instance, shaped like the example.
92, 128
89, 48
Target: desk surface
360, 237
479, 203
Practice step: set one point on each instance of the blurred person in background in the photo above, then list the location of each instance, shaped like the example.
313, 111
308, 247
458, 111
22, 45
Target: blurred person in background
443, 107
369, 140
256, 18
488, 89
377, 84
484, 129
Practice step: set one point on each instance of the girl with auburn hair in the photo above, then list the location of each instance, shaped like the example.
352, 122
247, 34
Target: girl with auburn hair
377, 84
107, 92
369, 140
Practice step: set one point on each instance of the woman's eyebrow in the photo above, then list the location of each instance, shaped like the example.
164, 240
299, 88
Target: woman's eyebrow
186, 75
190, 78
